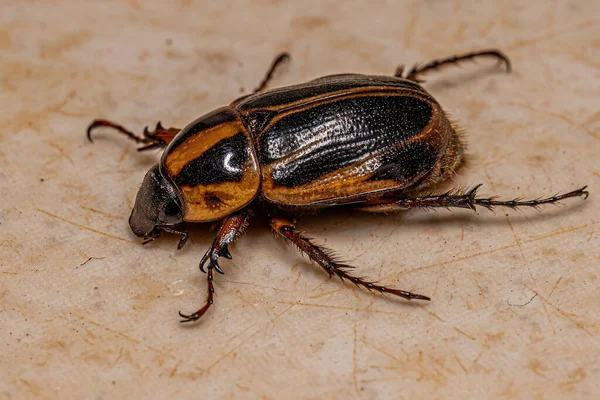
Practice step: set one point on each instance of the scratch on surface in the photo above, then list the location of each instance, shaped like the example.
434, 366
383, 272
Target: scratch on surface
551, 35
476, 360
123, 155
464, 334
132, 340
224, 356
535, 366
84, 227
569, 316
121, 349
519, 245
486, 345
557, 116
478, 285
62, 151
591, 234
10, 273
292, 304
354, 365
435, 286
457, 259
244, 300
251, 284
562, 231
410, 29
316, 296
428, 311
554, 287
102, 213
460, 364
486, 29
516, 238
174, 370
533, 239
382, 351
344, 308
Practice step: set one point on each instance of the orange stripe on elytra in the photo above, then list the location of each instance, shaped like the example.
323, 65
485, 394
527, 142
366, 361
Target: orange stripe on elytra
198, 144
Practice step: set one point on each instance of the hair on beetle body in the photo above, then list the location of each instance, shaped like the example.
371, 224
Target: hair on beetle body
378, 144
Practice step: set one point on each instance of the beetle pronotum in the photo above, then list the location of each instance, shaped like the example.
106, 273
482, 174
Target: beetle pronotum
373, 143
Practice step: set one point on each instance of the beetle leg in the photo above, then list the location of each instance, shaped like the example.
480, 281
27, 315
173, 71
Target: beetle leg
209, 300
280, 59
461, 199
286, 229
422, 69
159, 138
184, 236
230, 229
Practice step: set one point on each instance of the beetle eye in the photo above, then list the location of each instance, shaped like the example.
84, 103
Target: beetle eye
172, 209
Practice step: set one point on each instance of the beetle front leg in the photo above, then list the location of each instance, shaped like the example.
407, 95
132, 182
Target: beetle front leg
460, 199
286, 229
230, 229
159, 138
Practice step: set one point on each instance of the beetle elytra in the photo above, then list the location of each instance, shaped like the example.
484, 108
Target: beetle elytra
373, 143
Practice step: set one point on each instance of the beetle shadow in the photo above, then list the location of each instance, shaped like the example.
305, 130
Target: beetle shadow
431, 218
461, 78
143, 160
203, 234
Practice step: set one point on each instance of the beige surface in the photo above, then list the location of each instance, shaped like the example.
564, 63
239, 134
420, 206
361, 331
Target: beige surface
279, 328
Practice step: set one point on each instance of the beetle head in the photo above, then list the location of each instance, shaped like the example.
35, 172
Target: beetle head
156, 205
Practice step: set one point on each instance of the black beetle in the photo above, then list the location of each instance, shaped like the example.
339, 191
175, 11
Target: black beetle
374, 143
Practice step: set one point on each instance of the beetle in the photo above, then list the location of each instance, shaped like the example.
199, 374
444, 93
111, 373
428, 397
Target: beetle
374, 143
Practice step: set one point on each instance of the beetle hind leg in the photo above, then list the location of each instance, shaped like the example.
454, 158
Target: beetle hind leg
286, 229
159, 138
462, 199
421, 69
277, 62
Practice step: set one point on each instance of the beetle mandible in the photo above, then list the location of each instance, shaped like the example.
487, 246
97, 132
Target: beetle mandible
373, 143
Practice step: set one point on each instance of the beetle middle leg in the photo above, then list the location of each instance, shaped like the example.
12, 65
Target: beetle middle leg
159, 138
278, 61
459, 199
230, 229
286, 229
421, 69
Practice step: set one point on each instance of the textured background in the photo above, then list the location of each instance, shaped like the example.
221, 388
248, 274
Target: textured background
516, 296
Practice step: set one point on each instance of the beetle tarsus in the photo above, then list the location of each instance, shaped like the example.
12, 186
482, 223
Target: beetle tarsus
209, 301
421, 69
182, 240
285, 229
212, 255
225, 252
